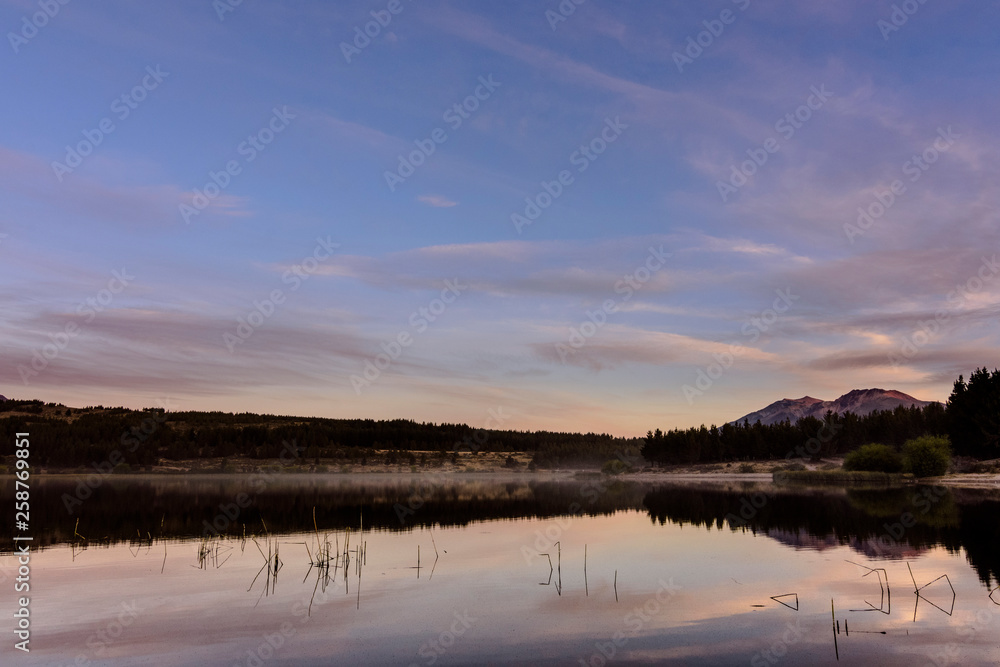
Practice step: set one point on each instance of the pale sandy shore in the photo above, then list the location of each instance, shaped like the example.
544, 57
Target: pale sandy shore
490, 468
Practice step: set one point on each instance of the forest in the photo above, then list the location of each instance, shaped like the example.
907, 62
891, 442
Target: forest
71, 437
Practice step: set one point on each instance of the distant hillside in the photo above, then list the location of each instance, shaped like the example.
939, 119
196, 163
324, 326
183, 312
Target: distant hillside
69, 437
858, 401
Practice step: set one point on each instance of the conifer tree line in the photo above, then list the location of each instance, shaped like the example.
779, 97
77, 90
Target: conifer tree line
70, 437
64, 436
971, 419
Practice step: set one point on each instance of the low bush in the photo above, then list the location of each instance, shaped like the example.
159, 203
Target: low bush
874, 458
927, 456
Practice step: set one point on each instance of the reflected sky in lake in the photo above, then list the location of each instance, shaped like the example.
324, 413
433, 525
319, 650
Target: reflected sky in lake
686, 594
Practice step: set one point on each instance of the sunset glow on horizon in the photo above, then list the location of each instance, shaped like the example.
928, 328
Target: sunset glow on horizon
586, 216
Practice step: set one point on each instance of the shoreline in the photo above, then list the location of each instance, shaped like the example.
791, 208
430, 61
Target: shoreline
458, 473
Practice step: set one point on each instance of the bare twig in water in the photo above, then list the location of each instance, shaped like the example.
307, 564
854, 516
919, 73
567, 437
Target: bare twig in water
886, 592
833, 616
785, 595
917, 589
551, 570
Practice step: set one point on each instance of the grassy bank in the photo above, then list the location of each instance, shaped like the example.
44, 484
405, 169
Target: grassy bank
837, 477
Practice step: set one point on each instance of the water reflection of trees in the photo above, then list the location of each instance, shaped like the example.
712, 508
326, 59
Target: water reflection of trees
869, 521
168, 508
174, 508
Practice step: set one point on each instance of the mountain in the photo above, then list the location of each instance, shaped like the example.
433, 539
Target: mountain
858, 401
2, 397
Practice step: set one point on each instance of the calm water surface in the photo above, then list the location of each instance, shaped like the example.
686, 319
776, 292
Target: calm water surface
675, 574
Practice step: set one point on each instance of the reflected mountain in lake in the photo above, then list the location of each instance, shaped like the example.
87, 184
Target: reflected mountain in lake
523, 569
892, 523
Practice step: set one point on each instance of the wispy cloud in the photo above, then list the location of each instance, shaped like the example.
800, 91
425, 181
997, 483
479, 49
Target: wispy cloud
437, 201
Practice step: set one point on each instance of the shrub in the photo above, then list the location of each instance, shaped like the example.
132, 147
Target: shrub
927, 456
746, 467
874, 458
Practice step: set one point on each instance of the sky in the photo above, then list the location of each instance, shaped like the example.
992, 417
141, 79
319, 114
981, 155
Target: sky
604, 216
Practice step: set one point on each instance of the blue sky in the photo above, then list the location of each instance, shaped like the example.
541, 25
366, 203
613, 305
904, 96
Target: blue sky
613, 306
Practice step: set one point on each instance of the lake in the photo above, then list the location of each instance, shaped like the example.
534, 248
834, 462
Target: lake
409, 569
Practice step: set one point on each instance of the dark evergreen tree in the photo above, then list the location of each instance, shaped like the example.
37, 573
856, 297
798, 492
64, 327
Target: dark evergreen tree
973, 415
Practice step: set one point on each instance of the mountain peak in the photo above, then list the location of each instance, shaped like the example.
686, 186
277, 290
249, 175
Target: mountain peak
858, 401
